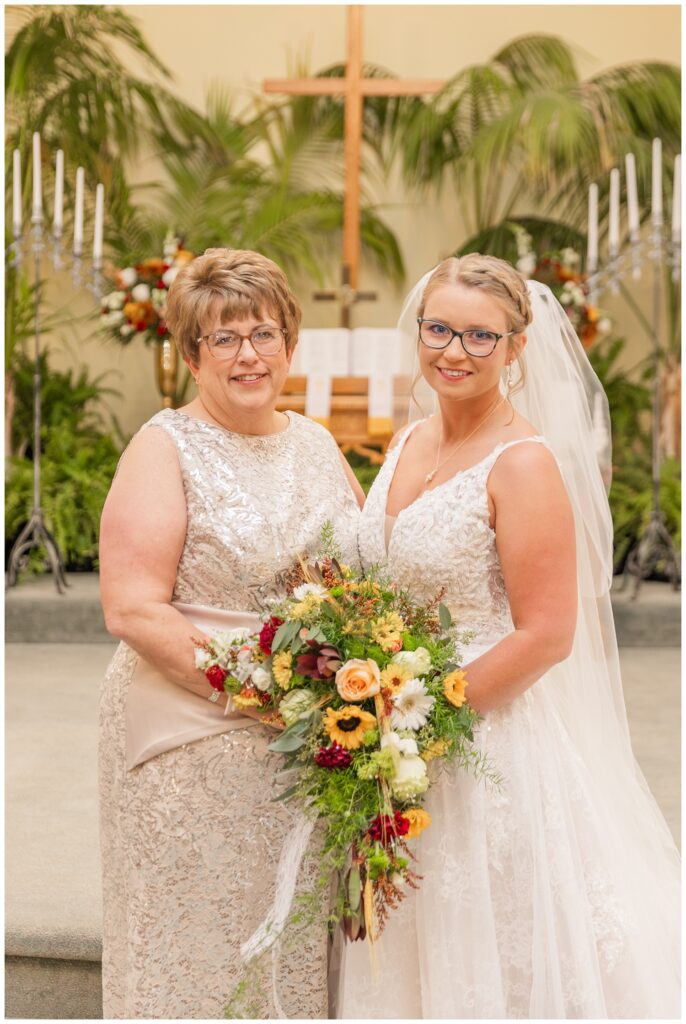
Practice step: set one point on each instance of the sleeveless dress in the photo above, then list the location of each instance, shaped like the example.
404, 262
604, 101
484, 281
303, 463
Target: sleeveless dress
190, 837
526, 909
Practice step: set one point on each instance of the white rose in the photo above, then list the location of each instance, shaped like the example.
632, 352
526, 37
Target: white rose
418, 662
126, 330
141, 293
527, 264
261, 678
113, 319
604, 325
410, 778
169, 275
128, 276
115, 300
404, 745
159, 297
295, 704
570, 257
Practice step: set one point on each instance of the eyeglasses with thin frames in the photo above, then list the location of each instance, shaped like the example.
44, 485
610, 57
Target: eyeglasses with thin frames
477, 343
266, 341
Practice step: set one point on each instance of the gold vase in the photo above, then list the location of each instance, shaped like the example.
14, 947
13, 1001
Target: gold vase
166, 371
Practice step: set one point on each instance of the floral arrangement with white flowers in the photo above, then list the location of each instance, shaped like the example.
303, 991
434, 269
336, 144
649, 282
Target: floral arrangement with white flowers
138, 303
367, 685
560, 270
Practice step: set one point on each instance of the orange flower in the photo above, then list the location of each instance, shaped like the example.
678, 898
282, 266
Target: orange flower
418, 818
182, 257
358, 679
454, 686
140, 313
153, 267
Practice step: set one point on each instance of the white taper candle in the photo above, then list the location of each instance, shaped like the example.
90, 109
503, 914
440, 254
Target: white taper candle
632, 197
656, 206
99, 221
59, 193
37, 191
78, 213
592, 256
613, 232
676, 202
16, 193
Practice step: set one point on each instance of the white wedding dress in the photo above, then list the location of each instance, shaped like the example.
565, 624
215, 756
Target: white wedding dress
555, 895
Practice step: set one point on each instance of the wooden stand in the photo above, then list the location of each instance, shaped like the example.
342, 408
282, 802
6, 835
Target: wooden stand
349, 417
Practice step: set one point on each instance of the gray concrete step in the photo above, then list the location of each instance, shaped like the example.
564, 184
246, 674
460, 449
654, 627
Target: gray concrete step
35, 612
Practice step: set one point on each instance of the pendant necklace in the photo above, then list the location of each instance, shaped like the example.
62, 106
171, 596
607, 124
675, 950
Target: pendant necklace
429, 476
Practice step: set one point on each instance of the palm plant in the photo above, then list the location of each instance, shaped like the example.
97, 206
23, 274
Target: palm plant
523, 134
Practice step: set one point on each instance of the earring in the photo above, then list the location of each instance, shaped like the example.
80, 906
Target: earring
509, 376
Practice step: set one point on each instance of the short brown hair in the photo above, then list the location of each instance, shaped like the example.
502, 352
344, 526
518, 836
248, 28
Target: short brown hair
246, 282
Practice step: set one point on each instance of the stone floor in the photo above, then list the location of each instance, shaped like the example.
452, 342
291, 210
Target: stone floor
53, 907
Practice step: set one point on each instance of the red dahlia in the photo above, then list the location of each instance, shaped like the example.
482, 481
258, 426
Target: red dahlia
334, 756
216, 676
268, 632
384, 828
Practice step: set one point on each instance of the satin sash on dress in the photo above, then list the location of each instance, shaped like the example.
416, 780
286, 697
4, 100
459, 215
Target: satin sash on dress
160, 715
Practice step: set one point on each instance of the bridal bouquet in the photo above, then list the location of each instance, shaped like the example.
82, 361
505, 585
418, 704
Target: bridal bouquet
367, 683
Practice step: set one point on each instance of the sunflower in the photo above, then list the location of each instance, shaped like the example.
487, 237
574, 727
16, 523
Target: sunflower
454, 686
387, 631
348, 726
281, 668
394, 677
418, 818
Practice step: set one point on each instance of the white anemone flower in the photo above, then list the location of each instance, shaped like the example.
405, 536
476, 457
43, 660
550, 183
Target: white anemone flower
411, 706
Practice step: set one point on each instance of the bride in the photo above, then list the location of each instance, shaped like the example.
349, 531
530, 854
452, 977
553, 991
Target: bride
556, 894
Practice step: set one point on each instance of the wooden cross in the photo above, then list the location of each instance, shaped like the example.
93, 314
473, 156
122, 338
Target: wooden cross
354, 87
346, 295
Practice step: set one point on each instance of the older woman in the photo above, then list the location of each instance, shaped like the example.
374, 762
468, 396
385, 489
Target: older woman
210, 506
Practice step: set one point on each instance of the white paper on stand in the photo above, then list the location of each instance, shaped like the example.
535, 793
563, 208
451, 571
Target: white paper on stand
379, 354
320, 355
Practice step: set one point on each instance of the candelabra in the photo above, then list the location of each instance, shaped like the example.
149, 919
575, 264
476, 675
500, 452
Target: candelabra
654, 544
35, 533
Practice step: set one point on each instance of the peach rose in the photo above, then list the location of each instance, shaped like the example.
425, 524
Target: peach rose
358, 679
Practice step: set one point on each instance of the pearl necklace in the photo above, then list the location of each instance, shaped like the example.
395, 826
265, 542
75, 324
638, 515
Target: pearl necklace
429, 476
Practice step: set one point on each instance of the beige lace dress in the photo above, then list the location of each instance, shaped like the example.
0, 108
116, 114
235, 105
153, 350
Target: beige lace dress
190, 837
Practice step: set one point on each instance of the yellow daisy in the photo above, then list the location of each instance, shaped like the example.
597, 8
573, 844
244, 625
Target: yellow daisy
387, 631
454, 686
348, 725
394, 677
246, 699
418, 818
282, 668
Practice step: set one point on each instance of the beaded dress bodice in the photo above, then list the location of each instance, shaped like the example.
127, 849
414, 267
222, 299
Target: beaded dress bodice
443, 541
254, 504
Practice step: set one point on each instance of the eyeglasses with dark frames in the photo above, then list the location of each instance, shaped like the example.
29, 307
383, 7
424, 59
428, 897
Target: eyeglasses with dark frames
266, 341
477, 343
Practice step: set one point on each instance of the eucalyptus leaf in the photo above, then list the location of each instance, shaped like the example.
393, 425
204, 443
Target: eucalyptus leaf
286, 744
354, 889
444, 617
286, 795
284, 635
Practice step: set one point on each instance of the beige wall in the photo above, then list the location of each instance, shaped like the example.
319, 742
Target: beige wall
238, 46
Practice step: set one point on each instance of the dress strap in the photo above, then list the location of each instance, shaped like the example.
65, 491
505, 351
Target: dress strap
536, 438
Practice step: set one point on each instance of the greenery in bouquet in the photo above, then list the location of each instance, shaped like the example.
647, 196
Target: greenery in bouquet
138, 303
367, 683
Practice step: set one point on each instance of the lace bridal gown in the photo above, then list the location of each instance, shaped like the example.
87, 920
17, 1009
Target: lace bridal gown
554, 896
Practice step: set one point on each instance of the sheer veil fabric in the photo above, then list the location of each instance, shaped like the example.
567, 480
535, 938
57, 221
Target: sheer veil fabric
558, 895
